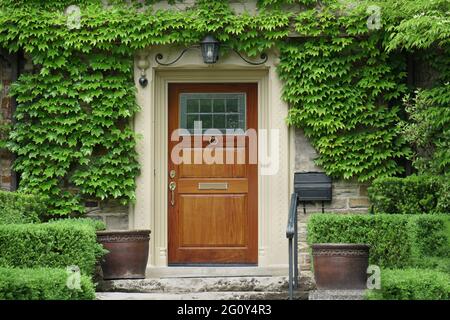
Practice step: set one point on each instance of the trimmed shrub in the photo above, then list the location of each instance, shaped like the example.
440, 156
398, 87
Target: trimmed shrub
54, 245
436, 263
410, 195
395, 240
412, 284
16, 207
42, 284
443, 204
430, 235
387, 235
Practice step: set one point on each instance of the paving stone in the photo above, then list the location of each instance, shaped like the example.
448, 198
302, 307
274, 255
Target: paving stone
298, 295
336, 295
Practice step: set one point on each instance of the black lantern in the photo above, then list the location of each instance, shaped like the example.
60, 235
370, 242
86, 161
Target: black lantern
210, 49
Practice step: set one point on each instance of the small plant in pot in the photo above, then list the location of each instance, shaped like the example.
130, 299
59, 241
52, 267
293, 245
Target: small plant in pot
127, 253
340, 265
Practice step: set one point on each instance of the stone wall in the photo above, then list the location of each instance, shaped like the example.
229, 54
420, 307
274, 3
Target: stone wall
112, 213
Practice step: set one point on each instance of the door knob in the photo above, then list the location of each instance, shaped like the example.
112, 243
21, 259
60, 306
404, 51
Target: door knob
172, 187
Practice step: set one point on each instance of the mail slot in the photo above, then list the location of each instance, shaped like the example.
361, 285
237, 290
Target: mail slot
312, 186
212, 186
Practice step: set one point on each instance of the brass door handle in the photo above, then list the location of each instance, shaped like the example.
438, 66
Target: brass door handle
172, 187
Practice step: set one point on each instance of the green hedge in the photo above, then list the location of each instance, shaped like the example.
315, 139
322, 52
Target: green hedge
412, 284
42, 284
431, 235
436, 263
54, 245
396, 240
410, 195
16, 207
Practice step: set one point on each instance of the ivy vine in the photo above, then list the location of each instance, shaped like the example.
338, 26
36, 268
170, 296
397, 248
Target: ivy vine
73, 136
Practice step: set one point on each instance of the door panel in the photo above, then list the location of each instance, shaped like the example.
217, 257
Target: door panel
214, 212
213, 200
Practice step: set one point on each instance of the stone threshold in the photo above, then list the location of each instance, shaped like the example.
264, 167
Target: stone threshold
216, 271
298, 295
261, 284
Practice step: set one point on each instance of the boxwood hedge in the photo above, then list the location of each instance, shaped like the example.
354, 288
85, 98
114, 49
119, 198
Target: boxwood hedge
54, 245
412, 284
410, 195
396, 240
17, 207
42, 284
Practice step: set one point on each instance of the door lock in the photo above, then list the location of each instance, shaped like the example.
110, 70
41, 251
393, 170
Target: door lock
172, 174
172, 187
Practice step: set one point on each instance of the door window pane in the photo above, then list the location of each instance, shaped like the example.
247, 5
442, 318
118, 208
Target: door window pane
206, 120
219, 105
232, 105
191, 118
220, 111
192, 105
205, 105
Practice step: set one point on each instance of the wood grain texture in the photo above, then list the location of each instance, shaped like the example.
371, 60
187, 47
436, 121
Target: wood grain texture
213, 226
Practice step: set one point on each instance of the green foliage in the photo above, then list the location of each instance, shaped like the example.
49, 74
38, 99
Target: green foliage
5, 129
396, 240
430, 235
342, 92
428, 126
388, 236
416, 24
73, 135
52, 245
42, 284
20, 208
410, 195
441, 264
412, 284
422, 27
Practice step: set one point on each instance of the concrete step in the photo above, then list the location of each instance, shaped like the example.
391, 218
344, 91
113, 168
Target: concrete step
206, 284
230, 295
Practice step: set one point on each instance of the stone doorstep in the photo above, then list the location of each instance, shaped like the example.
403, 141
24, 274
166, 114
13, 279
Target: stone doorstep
205, 284
238, 295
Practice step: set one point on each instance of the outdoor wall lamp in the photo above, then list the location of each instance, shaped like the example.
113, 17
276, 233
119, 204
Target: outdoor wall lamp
209, 48
143, 64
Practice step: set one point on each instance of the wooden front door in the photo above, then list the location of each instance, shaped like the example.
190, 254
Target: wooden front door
213, 175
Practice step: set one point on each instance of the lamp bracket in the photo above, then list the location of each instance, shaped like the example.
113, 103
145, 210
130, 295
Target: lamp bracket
263, 58
160, 56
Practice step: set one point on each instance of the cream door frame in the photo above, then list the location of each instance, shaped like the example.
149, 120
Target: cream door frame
151, 123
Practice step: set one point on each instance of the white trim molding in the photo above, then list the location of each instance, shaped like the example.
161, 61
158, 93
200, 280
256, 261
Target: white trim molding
151, 123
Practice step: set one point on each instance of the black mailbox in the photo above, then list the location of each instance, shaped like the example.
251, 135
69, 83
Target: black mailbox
312, 186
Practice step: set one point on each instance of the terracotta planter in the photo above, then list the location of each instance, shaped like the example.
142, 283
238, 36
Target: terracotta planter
340, 265
128, 253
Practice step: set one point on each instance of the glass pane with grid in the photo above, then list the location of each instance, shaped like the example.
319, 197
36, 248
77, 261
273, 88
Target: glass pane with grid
219, 111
